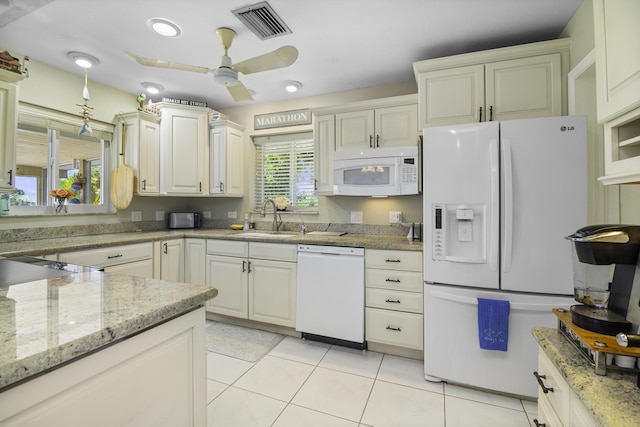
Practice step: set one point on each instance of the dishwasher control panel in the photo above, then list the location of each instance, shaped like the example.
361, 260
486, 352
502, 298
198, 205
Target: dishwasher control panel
336, 250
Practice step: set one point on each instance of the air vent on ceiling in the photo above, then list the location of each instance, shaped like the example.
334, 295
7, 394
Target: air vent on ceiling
262, 20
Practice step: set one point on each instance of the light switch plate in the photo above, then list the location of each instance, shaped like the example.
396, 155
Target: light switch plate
206, 214
395, 217
232, 214
356, 217
136, 216
159, 215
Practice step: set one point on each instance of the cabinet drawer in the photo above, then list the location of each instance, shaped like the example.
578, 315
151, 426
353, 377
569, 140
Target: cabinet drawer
394, 328
395, 279
560, 398
393, 260
114, 255
394, 300
274, 251
228, 247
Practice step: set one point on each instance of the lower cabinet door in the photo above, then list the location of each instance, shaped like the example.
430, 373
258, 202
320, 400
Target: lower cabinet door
229, 276
394, 328
272, 292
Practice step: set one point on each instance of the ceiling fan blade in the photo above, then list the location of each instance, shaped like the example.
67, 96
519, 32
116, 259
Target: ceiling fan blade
239, 92
279, 58
148, 62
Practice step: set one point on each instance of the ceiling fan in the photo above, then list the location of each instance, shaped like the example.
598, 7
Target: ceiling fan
227, 73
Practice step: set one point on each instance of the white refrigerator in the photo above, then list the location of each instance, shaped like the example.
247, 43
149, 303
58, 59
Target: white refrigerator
499, 198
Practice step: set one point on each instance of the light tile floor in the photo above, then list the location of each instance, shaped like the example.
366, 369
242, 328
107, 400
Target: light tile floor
309, 384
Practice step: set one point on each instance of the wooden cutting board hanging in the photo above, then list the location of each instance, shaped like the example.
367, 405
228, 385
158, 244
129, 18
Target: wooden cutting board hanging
122, 179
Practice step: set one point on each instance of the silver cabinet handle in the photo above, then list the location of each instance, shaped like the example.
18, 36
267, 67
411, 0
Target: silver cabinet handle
221, 187
10, 177
377, 141
370, 141
144, 184
166, 248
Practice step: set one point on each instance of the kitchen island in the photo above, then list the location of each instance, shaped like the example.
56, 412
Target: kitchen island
103, 349
611, 400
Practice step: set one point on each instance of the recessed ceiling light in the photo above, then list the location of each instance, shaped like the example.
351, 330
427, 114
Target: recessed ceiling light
291, 85
83, 60
164, 27
152, 88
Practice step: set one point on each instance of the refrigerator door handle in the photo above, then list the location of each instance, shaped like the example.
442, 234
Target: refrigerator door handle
517, 306
495, 206
508, 204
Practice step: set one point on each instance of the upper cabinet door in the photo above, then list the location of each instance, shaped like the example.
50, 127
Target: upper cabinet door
451, 96
396, 126
184, 134
8, 125
324, 140
617, 43
226, 166
149, 178
524, 88
355, 130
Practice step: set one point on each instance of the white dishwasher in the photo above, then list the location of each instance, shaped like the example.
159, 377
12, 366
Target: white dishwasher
330, 294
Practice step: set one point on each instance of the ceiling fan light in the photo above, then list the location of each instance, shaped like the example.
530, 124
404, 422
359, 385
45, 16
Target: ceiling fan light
226, 76
152, 88
164, 27
291, 86
83, 60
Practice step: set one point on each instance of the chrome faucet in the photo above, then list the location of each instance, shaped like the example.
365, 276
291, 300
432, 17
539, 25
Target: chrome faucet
276, 223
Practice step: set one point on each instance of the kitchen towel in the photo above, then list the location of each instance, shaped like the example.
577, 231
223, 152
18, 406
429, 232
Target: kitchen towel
493, 324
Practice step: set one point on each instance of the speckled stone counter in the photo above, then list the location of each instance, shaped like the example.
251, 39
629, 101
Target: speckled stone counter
614, 399
61, 244
48, 323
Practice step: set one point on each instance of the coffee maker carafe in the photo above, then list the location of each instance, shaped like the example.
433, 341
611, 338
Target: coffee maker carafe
606, 278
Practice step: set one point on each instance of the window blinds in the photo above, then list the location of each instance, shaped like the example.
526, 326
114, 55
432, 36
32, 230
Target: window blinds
284, 166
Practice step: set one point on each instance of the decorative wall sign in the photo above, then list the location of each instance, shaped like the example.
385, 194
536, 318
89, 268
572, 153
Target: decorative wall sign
281, 119
184, 102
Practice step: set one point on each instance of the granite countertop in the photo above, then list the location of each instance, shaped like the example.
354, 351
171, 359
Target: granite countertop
51, 246
612, 399
46, 323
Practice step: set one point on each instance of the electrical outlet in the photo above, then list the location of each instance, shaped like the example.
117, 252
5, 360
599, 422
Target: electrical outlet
136, 216
232, 214
356, 217
159, 215
206, 214
395, 217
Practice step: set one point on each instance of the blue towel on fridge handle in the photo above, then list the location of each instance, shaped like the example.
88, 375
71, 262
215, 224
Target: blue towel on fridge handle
493, 324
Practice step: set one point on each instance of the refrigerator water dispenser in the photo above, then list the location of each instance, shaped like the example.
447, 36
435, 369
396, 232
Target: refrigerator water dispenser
459, 233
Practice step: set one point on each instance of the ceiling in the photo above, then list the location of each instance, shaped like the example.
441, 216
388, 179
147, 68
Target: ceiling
342, 44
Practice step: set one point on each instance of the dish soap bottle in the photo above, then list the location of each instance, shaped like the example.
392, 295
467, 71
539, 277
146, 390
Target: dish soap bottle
246, 223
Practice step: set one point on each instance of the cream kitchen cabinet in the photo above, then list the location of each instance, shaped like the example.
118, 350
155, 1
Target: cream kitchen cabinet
141, 148
394, 298
226, 162
184, 134
169, 256
8, 126
133, 260
622, 149
255, 280
324, 143
501, 84
394, 126
195, 253
617, 43
559, 406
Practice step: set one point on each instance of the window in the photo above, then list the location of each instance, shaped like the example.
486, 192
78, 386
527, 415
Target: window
284, 166
51, 155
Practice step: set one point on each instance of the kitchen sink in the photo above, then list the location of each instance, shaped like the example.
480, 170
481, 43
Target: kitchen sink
259, 234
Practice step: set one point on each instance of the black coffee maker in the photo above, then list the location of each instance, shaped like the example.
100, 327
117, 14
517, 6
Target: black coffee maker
606, 278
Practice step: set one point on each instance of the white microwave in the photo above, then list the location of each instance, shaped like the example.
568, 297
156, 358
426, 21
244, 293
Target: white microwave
390, 171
